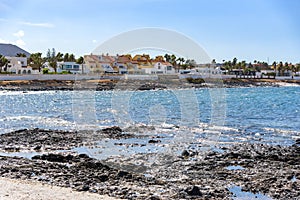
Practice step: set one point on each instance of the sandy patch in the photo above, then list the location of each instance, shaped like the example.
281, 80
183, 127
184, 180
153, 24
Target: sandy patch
29, 190
99, 81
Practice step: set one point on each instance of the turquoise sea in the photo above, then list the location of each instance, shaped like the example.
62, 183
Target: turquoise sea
260, 114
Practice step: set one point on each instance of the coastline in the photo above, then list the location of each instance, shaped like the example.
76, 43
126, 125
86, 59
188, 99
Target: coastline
109, 84
268, 170
191, 175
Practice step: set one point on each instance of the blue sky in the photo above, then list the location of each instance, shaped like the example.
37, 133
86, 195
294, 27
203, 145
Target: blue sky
246, 29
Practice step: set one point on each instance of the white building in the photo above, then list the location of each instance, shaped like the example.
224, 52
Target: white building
99, 63
163, 68
121, 67
203, 71
17, 65
72, 67
46, 65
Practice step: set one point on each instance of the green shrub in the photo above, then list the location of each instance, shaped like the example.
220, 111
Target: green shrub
271, 74
45, 71
195, 80
65, 72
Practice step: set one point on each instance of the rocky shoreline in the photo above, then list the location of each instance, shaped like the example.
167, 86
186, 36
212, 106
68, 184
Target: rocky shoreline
107, 84
258, 168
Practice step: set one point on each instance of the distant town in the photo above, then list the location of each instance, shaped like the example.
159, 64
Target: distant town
14, 60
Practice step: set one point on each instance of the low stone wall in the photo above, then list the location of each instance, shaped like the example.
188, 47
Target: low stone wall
61, 77
287, 78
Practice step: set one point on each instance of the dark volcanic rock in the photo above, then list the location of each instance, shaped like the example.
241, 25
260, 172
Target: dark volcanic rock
153, 141
193, 191
49, 140
270, 170
112, 130
185, 153
54, 158
39, 139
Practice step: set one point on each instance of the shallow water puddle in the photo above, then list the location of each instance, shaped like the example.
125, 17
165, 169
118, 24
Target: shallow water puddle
239, 194
235, 167
294, 179
125, 147
28, 155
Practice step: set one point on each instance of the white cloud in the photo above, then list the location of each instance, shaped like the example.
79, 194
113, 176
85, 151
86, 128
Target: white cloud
44, 25
20, 42
19, 34
4, 41
94, 41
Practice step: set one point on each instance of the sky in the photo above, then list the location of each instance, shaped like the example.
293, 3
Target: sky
264, 30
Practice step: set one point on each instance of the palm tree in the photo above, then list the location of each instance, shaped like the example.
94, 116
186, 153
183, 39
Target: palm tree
72, 58
280, 68
274, 65
173, 58
239, 65
59, 57
52, 59
181, 61
297, 67
191, 63
286, 67
250, 66
36, 61
167, 57
243, 65
173, 61
234, 62
228, 66
21, 55
80, 60
293, 69
66, 57
3, 62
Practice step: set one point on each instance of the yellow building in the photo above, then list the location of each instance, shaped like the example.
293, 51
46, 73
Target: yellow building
143, 61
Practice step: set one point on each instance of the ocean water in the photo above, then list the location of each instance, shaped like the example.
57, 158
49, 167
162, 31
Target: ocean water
263, 114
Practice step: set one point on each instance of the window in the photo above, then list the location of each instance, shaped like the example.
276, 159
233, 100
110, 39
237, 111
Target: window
169, 68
